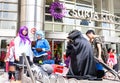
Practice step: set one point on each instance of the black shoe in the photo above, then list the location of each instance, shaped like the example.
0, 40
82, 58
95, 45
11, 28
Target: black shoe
95, 79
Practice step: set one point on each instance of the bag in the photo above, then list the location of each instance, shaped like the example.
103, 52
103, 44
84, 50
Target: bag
7, 66
104, 53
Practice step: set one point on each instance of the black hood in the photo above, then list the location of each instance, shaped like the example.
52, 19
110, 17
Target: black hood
74, 34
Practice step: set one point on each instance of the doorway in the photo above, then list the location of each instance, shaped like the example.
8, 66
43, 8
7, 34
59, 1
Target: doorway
57, 48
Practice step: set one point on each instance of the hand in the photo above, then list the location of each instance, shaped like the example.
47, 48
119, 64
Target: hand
17, 59
100, 59
33, 43
38, 49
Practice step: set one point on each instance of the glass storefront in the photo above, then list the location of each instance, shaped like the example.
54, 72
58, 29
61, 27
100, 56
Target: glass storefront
95, 16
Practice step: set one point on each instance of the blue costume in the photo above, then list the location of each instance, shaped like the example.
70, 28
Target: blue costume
40, 48
44, 44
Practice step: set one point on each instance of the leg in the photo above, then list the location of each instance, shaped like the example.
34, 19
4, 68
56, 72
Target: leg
10, 74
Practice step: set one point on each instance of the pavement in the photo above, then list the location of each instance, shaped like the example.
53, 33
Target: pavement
4, 79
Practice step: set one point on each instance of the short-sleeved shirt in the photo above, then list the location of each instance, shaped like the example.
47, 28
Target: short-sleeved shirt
94, 45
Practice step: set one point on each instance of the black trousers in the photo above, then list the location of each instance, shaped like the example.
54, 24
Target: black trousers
21, 60
41, 58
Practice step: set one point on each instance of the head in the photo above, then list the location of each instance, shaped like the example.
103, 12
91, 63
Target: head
109, 50
90, 34
7, 46
74, 34
39, 35
23, 33
114, 51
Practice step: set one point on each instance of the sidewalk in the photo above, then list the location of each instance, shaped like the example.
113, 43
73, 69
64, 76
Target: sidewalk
4, 79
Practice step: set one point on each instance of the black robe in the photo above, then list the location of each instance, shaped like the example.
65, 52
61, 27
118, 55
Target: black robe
81, 53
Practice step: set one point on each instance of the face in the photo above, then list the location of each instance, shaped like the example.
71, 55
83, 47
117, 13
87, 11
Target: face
24, 32
90, 35
39, 37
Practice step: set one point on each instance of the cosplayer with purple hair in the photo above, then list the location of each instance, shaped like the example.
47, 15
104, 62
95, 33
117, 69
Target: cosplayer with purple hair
23, 45
22, 36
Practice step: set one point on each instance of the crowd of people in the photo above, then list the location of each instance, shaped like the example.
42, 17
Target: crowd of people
79, 56
22, 44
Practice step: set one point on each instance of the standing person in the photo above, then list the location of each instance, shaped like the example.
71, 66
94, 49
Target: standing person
6, 58
111, 58
115, 67
23, 45
97, 49
79, 50
10, 58
40, 47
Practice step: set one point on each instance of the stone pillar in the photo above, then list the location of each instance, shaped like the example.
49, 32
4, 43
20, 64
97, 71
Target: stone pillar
32, 14
111, 11
98, 8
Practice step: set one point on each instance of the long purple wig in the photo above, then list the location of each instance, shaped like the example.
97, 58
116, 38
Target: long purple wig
24, 37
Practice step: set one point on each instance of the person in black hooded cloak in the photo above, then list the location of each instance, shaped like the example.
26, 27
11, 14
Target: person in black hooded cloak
81, 53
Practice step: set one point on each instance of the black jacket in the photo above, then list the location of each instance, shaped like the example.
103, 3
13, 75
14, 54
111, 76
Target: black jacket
81, 53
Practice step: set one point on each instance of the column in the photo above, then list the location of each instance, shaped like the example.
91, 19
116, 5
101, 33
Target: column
98, 8
32, 14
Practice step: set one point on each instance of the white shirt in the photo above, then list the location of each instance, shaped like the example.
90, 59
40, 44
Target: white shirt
20, 48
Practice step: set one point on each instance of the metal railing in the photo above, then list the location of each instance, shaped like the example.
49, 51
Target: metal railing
28, 68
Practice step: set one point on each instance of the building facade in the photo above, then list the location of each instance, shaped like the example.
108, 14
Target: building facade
99, 15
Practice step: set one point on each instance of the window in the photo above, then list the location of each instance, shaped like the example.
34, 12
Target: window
87, 2
8, 25
9, 16
58, 28
47, 10
48, 18
69, 21
48, 2
0, 6
69, 28
10, 7
48, 27
58, 20
10, 1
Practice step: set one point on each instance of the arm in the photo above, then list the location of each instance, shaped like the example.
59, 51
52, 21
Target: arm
47, 46
17, 52
30, 54
99, 51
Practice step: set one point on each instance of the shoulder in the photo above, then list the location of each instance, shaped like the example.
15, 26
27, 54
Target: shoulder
17, 39
97, 40
45, 40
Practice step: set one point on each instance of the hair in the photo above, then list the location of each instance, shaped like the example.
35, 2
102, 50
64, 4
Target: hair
109, 50
113, 50
23, 37
90, 31
39, 32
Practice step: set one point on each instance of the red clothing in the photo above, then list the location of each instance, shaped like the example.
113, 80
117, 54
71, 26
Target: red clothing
111, 59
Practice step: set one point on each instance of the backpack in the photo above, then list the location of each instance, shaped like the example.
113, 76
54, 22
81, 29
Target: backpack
104, 53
